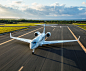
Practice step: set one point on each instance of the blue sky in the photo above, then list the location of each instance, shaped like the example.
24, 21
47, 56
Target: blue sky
47, 2
43, 9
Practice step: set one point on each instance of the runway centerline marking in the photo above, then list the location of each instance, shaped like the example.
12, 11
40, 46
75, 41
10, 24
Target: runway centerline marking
62, 52
78, 40
21, 68
19, 36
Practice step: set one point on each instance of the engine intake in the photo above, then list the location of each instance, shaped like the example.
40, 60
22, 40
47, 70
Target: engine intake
36, 33
48, 34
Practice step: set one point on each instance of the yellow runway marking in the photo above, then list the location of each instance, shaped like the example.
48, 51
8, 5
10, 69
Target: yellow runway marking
78, 41
29, 32
53, 29
46, 38
19, 36
20, 68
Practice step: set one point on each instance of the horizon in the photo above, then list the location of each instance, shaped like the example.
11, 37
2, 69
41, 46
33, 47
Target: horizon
44, 19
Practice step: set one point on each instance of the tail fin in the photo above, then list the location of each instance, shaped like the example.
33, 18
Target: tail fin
44, 28
52, 25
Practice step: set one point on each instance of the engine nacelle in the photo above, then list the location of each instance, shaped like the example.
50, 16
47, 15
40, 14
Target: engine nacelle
48, 34
36, 33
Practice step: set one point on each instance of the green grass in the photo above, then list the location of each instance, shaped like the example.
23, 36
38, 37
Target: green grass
23, 24
79, 23
9, 29
83, 27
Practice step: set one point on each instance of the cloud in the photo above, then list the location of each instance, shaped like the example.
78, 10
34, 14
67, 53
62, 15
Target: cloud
34, 3
36, 6
16, 2
55, 4
20, 5
80, 8
10, 12
84, 3
55, 9
39, 11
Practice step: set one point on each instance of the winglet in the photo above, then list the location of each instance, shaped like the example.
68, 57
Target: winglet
79, 38
10, 35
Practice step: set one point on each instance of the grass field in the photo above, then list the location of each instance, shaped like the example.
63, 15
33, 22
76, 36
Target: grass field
79, 23
20, 24
83, 25
9, 29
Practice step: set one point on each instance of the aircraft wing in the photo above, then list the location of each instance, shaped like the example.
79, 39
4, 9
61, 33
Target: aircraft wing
59, 41
21, 39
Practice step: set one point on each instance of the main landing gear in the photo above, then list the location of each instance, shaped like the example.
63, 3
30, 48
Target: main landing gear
33, 51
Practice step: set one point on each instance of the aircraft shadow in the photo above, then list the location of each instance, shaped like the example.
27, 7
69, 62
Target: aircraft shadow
74, 55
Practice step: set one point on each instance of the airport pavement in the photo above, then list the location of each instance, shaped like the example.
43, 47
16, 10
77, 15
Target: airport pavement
16, 55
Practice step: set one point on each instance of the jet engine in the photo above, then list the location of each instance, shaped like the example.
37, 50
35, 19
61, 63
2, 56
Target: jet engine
48, 34
36, 33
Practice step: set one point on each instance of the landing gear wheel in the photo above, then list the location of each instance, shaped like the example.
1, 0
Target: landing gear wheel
32, 52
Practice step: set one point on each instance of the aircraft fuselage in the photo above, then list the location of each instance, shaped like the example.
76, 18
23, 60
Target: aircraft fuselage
37, 41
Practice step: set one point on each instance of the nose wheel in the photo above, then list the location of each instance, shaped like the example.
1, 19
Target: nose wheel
33, 51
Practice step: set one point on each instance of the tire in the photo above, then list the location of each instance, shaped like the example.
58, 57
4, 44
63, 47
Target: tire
32, 52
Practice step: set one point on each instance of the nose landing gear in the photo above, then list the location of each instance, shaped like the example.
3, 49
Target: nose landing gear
33, 51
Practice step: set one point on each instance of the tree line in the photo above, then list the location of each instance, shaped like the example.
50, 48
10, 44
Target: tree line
13, 21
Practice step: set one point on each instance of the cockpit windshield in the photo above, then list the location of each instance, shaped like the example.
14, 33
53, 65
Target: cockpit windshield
34, 42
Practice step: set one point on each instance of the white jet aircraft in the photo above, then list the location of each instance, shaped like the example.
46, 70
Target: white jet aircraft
39, 40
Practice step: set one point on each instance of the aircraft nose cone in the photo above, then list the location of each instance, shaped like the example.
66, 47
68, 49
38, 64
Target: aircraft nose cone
30, 45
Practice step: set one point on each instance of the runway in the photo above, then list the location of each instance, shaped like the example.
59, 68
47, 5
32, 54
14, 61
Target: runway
17, 56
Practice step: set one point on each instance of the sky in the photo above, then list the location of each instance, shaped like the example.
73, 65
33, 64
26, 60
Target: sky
43, 9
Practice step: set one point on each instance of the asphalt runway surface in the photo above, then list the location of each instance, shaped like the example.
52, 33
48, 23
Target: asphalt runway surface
17, 56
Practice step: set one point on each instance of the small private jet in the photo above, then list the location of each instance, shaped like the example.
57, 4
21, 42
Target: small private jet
39, 39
